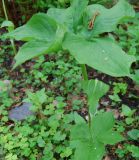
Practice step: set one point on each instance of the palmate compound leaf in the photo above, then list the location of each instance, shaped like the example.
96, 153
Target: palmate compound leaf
101, 54
107, 19
94, 89
90, 143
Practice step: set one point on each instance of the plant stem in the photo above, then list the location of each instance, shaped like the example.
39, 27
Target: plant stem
4, 9
6, 17
85, 76
84, 72
13, 46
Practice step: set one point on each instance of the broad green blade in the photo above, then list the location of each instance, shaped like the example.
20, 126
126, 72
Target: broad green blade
78, 8
39, 27
94, 89
35, 48
62, 16
8, 24
78, 119
31, 50
107, 19
102, 129
86, 147
89, 150
102, 123
110, 137
80, 132
90, 142
101, 54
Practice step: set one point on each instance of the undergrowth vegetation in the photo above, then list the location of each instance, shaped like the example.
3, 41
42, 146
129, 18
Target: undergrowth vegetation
69, 81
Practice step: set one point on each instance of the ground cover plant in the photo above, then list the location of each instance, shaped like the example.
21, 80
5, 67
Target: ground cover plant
67, 120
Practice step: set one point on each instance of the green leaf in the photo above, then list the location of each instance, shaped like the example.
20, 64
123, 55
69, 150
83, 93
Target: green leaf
89, 150
62, 16
90, 142
80, 132
101, 54
110, 137
78, 8
95, 89
134, 150
11, 156
134, 134
8, 24
59, 136
108, 19
78, 118
39, 27
43, 34
129, 120
35, 48
102, 123
102, 126
41, 142
66, 153
30, 50
126, 111
135, 77
71, 16
86, 147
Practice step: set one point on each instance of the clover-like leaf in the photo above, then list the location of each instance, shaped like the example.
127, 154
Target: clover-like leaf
134, 134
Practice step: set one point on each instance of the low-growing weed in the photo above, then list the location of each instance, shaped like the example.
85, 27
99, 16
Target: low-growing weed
45, 137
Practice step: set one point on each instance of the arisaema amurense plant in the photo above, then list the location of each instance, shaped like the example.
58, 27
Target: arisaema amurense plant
78, 30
